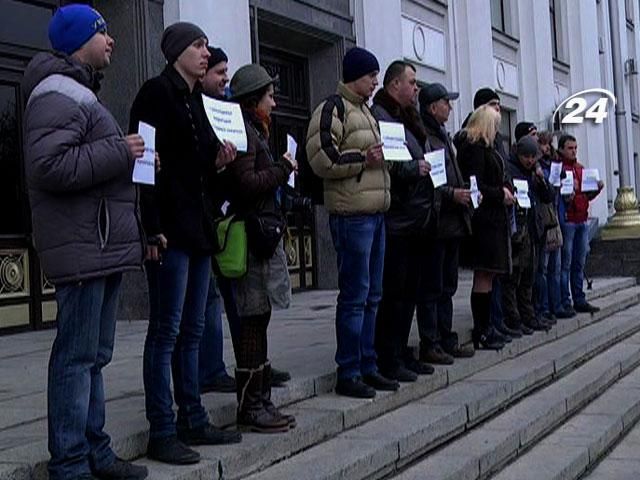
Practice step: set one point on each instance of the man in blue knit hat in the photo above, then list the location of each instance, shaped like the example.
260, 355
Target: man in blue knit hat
83, 205
344, 148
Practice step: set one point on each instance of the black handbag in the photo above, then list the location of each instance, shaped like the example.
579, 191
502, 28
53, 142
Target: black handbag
264, 231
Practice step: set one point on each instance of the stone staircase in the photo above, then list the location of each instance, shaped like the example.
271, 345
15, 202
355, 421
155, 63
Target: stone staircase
559, 399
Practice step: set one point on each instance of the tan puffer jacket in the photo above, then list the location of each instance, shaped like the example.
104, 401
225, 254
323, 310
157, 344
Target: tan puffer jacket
336, 153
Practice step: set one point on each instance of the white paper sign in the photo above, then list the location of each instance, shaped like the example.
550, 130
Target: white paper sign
144, 170
590, 179
292, 148
554, 174
438, 169
522, 193
475, 193
393, 138
567, 184
226, 120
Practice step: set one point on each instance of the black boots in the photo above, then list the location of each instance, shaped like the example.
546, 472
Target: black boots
252, 414
483, 333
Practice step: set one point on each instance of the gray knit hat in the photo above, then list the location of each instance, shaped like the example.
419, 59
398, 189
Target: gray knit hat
248, 79
527, 146
177, 37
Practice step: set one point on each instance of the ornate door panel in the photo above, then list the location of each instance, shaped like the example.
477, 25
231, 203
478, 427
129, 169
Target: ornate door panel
26, 300
291, 117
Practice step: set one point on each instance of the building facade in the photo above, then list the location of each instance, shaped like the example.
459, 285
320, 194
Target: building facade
535, 53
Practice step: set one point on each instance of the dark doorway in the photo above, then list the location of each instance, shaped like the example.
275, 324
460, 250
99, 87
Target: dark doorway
26, 299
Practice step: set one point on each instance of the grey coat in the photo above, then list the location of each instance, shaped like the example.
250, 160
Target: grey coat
78, 168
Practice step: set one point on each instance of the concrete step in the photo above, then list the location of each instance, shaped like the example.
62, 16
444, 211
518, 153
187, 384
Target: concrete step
623, 461
372, 437
321, 416
488, 448
585, 438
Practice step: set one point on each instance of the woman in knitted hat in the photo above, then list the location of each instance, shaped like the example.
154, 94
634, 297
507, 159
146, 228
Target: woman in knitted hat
255, 180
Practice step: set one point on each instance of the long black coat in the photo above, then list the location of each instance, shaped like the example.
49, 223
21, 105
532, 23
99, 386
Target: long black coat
489, 248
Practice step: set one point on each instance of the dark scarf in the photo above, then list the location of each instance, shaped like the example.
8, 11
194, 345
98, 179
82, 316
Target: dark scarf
409, 116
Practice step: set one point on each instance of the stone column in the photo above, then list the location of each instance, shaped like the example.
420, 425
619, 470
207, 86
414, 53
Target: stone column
474, 50
536, 63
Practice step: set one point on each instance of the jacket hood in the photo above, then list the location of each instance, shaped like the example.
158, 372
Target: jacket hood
45, 64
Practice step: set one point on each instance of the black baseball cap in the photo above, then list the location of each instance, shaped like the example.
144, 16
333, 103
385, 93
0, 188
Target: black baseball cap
434, 92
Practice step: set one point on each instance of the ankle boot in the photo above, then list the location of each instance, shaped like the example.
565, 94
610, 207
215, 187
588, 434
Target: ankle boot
251, 412
483, 334
266, 397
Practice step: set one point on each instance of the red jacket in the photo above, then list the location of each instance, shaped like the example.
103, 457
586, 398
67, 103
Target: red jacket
577, 210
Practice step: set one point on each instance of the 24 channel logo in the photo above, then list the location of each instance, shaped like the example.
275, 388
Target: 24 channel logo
576, 104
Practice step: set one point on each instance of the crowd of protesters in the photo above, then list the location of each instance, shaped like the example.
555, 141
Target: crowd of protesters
399, 241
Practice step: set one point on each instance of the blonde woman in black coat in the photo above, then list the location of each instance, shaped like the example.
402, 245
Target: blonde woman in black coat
489, 248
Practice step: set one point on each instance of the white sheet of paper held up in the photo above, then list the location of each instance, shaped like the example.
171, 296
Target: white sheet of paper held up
590, 179
475, 193
567, 184
438, 169
555, 173
226, 120
393, 138
144, 169
522, 193
292, 148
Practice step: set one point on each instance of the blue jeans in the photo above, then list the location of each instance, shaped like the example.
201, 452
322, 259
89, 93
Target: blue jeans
359, 242
86, 322
211, 362
574, 258
173, 341
548, 281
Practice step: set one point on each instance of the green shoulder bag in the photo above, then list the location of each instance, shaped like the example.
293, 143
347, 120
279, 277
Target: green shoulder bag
231, 260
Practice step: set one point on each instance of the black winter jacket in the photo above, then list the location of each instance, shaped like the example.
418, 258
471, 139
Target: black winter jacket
412, 196
181, 203
454, 220
540, 191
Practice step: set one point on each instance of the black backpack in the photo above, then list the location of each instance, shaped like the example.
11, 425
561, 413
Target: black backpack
311, 185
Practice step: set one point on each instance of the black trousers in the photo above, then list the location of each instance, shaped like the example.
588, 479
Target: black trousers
438, 285
422, 273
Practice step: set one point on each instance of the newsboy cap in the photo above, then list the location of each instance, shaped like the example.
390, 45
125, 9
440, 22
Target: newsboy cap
434, 92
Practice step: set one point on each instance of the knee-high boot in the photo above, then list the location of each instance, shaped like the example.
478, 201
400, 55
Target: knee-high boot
250, 359
252, 414
483, 333
266, 397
